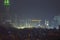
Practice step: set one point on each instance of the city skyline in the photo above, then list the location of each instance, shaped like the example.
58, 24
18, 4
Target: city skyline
32, 9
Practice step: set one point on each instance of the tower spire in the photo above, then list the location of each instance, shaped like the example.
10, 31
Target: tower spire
6, 3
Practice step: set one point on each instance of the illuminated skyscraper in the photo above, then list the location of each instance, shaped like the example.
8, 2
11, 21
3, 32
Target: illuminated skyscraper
7, 3
7, 9
46, 23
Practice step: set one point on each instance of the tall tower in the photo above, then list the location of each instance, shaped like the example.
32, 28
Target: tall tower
7, 9
46, 23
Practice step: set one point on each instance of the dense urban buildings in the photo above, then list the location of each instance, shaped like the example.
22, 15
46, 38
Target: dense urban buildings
29, 20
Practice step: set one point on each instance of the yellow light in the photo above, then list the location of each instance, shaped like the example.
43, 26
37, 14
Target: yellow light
20, 27
36, 20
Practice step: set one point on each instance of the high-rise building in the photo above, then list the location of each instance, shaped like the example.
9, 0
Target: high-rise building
57, 20
46, 23
7, 15
7, 9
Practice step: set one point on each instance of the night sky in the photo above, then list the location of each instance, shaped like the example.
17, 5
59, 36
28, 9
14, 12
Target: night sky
35, 9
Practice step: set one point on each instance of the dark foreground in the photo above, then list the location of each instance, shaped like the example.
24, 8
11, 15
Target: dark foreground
29, 34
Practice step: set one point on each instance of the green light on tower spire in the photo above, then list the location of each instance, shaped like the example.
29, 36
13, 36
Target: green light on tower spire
6, 3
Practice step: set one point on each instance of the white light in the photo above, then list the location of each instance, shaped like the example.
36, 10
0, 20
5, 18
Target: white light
47, 24
20, 27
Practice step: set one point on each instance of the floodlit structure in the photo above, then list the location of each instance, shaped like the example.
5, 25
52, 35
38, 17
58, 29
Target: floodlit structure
36, 20
7, 3
7, 9
46, 24
27, 23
